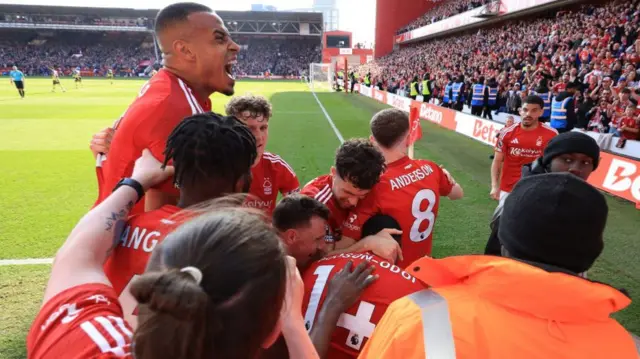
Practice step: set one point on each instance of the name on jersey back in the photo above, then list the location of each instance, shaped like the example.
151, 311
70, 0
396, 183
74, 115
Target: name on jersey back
371, 258
408, 178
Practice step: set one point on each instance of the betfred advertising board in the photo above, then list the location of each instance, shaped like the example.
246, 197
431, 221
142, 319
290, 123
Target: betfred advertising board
619, 176
479, 129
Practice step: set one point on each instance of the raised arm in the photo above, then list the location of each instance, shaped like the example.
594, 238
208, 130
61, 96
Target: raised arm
80, 259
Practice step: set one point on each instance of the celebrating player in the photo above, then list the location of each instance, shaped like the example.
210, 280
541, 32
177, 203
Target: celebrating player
77, 77
517, 146
212, 156
17, 78
198, 55
219, 286
110, 75
357, 169
409, 191
271, 174
55, 76
357, 323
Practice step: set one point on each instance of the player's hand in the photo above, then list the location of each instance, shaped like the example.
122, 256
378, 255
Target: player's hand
384, 245
148, 170
495, 194
292, 306
346, 286
101, 141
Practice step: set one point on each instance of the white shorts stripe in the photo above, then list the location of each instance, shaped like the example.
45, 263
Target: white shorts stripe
123, 327
95, 335
194, 110
108, 326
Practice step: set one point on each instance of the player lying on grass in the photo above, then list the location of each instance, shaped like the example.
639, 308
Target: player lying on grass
409, 190
213, 288
357, 169
270, 173
212, 156
198, 56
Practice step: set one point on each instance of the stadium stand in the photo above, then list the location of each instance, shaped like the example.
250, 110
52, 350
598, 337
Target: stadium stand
37, 38
441, 11
595, 45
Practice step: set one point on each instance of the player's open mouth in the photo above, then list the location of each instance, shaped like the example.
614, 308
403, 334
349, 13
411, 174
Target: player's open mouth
229, 68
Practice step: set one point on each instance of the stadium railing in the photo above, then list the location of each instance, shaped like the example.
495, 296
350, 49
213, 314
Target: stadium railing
616, 174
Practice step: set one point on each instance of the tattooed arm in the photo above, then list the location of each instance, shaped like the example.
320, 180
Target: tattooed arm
80, 259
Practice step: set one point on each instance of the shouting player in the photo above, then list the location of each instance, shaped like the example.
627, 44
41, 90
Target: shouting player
212, 156
55, 76
198, 56
357, 169
355, 326
271, 174
517, 146
17, 78
409, 190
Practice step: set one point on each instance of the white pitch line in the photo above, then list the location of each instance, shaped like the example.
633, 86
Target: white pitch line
326, 114
28, 261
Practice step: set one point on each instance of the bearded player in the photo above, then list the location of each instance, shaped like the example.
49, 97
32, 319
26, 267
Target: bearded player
198, 56
212, 156
270, 173
356, 324
409, 191
517, 146
358, 167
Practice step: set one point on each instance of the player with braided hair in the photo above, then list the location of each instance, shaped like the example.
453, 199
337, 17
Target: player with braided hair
212, 156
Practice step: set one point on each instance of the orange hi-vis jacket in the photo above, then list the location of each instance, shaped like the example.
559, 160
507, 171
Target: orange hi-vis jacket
488, 307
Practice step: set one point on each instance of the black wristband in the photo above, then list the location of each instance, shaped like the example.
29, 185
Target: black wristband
133, 184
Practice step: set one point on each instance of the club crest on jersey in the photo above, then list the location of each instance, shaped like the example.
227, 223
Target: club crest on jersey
539, 141
268, 187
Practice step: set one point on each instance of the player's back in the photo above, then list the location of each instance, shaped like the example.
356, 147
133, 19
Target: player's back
410, 191
356, 325
163, 102
129, 258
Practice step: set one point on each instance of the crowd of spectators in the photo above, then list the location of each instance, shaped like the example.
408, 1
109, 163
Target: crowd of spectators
76, 20
442, 10
596, 47
280, 57
133, 53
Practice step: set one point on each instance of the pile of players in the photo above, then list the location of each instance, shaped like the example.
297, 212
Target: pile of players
174, 261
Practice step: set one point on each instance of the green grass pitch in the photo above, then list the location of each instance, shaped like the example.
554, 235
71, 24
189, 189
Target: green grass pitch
47, 180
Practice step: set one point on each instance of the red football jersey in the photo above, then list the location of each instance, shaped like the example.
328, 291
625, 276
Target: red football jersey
521, 147
81, 322
409, 191
272, 175
321, 188
129, 259
162, 103
356, 325
629, 122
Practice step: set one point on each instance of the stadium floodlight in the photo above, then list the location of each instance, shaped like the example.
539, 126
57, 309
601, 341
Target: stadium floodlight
320, 77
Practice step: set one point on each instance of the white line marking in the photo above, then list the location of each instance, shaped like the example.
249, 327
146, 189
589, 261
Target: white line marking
333, 125
28, 261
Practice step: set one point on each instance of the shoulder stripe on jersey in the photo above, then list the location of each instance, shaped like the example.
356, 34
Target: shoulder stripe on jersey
123, 327
194, 110
549, 128
99, 339
324, 195
195, 101
277, 159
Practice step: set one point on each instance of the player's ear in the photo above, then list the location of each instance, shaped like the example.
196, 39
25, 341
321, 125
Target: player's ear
290, 236
333, 171
182, 48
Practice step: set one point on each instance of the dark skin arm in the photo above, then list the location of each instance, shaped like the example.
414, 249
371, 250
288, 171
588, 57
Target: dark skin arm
344, 290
